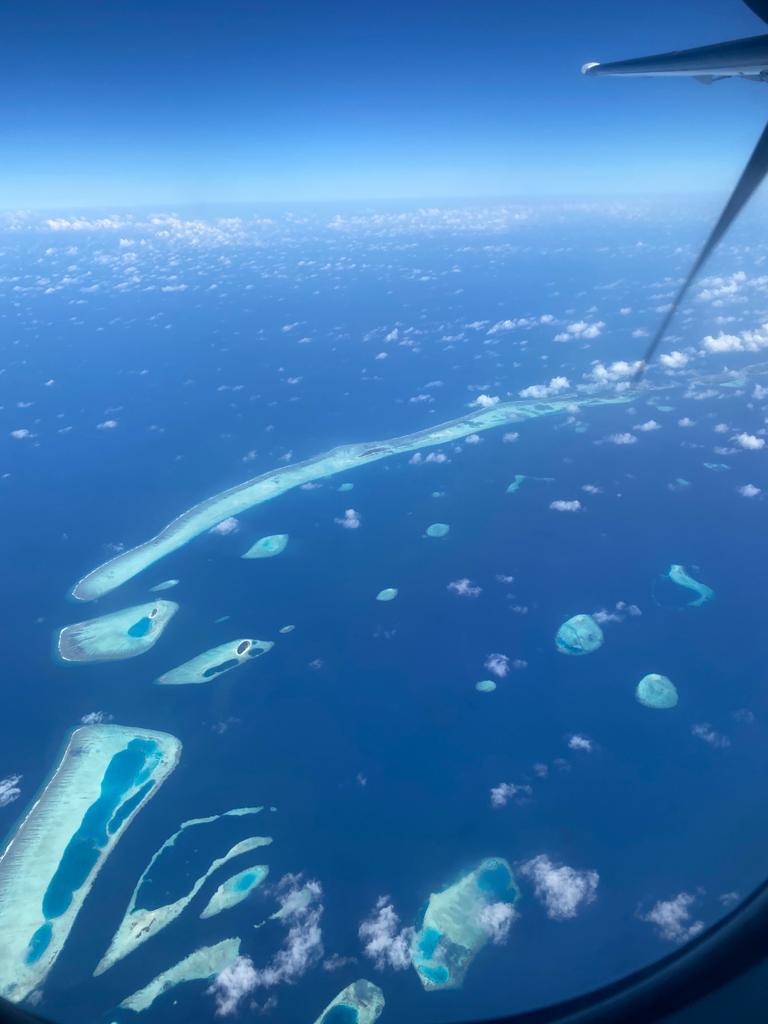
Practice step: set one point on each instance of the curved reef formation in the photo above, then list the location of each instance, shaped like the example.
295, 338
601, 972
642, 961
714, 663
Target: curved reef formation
459, 921
267, 547
235, 890
238, 499
359, 1003
141, 923
579, 635
211, 664
119, 635
655, 691
677, 574
205, 963
106, 775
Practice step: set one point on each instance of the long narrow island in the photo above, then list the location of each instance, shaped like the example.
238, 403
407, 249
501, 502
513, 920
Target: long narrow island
236, 500
105, 776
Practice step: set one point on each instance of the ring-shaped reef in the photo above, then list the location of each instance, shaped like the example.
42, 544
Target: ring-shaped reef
106, 775
438, 530
358, 1003
123, 634
454, 927
579, 635
211, 664
268, 547
238, 499
655, 691
235, 889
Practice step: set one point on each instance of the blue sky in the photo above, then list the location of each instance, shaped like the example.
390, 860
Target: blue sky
247, 101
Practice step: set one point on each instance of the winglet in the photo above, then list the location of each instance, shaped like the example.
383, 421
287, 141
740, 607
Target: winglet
589, 69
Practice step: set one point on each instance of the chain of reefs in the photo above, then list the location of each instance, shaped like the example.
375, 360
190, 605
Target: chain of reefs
203, 964
106, 775
139, 924
235, 889
123, 634
238, 499
211, 664
359, 1003
678, 575
456, 923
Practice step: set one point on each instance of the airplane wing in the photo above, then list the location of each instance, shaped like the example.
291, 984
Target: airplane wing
751, 178
746, 58
758, 7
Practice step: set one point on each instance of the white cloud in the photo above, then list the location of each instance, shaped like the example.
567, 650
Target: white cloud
465, 588
705, 732
617, 371
226, 526
301, 910
472, 439
686, 421
498, 664
578, 742
591, 489
581, 329
673, 360
750, 442
9, 790
555, 386
107, 425
485, 401
506, 791
350, 520
648, 425
19, 435
749, 491
509, 437
496, 919
673, 918
563, 890
384, 941
760, 392
96, 718
565, 506
622, 438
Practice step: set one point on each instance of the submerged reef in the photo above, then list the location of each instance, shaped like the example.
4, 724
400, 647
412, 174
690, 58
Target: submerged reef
358, 1003
211, 664
204, 963
235, 890
241, 497
655, 691
140, 923
438, 530
485, 686
106, 775
517, 483
267, 547
388, 594
165, 585
123, 634
579, 635
459, 921
678, 575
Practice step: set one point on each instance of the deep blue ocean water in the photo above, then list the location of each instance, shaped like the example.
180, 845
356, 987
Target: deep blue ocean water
363, 727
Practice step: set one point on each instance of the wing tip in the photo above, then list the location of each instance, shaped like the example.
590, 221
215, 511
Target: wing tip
589, 67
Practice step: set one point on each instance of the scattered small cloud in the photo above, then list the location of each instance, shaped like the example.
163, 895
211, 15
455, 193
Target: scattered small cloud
578, 742
9, 790
225, 527
704, 731
563, 890
624, 438
96, 718
566, 506
350, 520
498, 664
672, 918
749, 491
464, 588
506, 791
750, 442
107, 425
384, 941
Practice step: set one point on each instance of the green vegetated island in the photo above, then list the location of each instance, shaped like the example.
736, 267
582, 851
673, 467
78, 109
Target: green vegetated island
105, 776
238, 499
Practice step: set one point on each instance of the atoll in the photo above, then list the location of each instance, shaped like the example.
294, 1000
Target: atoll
211, 664
579, 635
655, 691
457, 923
359, 1003
204, 963
123, 634
267, 547
235, 889
388, 594
438, 530
106, 775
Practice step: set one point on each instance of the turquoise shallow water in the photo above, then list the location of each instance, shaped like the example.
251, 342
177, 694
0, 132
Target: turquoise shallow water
102, 818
